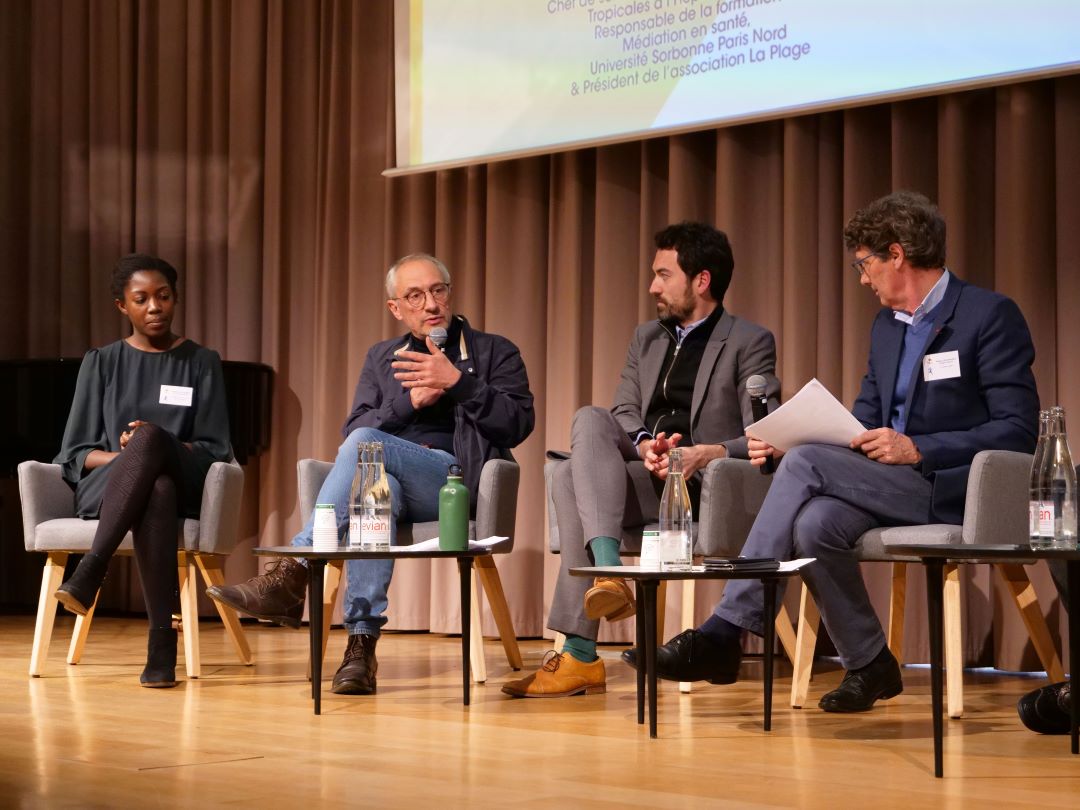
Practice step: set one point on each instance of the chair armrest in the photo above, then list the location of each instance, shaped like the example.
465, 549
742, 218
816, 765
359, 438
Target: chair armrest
219, 512
996, 506
496, 500
44, 495
310, 474
732, 491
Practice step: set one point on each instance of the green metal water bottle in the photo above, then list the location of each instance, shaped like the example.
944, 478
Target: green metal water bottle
454, 512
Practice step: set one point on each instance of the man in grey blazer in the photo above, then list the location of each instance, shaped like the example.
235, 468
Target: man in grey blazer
684, 384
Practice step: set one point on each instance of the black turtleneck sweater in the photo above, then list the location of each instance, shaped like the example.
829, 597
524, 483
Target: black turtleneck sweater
669, 410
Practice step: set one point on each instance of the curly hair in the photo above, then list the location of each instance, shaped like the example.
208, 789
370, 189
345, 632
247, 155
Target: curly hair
700, 247
906, 218
131, 264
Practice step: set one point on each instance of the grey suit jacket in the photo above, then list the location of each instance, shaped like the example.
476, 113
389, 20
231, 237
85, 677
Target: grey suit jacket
720, 408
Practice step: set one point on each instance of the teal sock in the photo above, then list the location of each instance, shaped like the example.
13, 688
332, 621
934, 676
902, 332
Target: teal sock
583, 649
605, 551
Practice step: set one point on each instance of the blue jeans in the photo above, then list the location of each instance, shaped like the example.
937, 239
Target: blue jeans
415, 474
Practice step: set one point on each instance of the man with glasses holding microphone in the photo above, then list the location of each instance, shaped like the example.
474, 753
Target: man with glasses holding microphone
445, 393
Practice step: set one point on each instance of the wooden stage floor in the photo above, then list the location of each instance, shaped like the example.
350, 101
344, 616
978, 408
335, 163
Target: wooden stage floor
89, 736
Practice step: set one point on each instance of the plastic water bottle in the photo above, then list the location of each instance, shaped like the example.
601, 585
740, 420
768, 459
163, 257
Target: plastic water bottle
454, 512
676, 518
376, 513
356, 496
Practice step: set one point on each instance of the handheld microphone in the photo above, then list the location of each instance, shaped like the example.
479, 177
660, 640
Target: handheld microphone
759, 406
438, 336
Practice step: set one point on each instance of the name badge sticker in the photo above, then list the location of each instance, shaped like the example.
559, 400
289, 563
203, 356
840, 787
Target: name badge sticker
176, 395
941, 366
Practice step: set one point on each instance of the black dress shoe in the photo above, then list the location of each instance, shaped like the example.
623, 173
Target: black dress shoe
878, 680
356, 675
1046, 710
693, 656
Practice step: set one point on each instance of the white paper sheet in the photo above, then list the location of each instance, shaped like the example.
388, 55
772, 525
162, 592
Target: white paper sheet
812, 416
433, 544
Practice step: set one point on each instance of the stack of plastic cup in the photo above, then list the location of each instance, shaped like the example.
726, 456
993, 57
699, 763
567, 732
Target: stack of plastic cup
324, 533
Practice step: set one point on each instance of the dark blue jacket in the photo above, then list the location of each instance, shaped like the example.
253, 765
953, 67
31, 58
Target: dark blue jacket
992, 405
493, 407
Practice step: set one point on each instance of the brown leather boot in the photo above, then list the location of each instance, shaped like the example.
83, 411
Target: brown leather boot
278, 595
356, 675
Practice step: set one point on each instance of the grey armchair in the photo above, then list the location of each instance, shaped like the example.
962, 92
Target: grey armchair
995, 512
50, 526
496, 515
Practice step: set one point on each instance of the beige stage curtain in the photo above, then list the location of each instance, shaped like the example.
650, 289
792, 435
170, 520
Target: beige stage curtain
244, 141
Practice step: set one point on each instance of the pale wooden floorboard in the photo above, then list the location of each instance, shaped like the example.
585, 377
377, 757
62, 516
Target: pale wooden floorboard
89, 736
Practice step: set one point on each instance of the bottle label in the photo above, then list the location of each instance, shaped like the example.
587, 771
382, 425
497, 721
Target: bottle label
676, 552
355, 532
1041, 518
374, 532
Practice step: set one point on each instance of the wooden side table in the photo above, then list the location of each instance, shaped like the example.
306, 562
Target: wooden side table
647, 583
317, 561
934, 557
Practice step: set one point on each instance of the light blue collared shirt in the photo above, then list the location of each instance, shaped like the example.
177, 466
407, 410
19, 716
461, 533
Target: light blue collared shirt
933, 298
682, 331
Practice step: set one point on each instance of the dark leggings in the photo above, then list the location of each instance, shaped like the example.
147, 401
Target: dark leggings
142, 496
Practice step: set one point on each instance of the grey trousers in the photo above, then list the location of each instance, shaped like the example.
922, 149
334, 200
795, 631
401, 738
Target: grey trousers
594, 496
823, 498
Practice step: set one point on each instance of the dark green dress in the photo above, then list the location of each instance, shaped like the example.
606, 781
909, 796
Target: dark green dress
119, 384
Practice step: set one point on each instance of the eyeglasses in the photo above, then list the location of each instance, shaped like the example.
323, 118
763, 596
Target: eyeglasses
859, 265
416, 299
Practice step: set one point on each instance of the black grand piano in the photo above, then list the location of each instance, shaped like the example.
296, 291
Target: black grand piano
36, 397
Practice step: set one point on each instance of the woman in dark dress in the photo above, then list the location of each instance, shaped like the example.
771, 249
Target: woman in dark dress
147, 421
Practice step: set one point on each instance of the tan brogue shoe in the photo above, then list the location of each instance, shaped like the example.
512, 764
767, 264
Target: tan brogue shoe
561, 675
609, 598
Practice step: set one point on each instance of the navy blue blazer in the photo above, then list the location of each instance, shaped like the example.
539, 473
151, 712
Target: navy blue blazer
992, 405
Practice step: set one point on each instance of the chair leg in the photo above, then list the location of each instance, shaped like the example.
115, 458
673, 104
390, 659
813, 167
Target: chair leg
331, 584
211, 567
805, 644
51, 579
78, 636
785, 631
558, 642
897, 599
1023, 593
687, 622
500, 611
954, 652
477, 662
189, 612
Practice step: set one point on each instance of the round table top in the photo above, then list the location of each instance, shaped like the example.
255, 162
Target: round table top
343, 553
638, 573
975, 552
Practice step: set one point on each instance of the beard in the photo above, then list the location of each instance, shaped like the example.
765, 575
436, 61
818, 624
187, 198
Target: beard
680, 310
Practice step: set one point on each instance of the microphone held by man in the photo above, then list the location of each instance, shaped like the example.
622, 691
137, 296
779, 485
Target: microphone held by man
759, 405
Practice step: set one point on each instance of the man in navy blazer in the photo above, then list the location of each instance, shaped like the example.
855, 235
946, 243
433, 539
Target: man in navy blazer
949, 375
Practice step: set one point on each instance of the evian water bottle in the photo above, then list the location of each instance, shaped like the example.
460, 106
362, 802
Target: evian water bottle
676, 518
1040, 520
359, 488
376, 513
1053, 488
